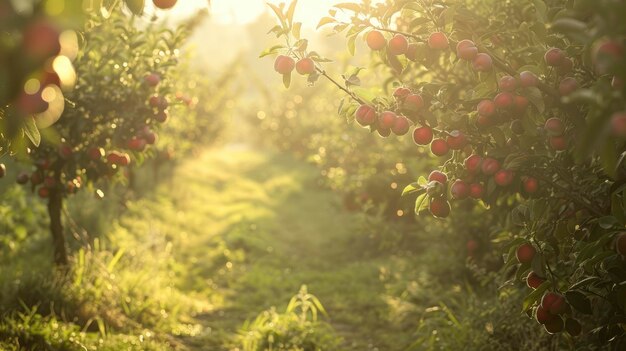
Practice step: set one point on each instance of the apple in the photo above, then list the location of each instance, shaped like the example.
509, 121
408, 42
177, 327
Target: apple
164, 4
456, 140
387, 119
567, 86
473, 164
440, 207
490, 166
375, 40
528, 79
486, 108
401, 93
398, 45
533, 281
422, 135
459, 190
365, 115
554, 57
531, 185
438, 41
503, 177
413, 102
554, 126
305, 66
152, 79
466, 50
504, 100
543, 316
558, 143
284, 64
439, 147
438, 176
22, 177
476, 190
482, 62
525, 253
400, 126
507, 83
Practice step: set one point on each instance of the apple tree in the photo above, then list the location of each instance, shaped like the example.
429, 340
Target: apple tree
522, 104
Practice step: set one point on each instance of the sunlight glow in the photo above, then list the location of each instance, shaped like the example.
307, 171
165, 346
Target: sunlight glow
241, 12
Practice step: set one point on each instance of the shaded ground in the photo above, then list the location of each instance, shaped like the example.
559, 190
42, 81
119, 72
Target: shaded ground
248, 229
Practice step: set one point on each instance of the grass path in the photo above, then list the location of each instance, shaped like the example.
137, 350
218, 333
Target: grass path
249, 228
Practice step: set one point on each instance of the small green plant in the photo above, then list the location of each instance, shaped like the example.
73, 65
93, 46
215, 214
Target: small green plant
296, 329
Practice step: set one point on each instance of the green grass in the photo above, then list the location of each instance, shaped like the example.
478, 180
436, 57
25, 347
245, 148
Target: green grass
224, 237
246, 230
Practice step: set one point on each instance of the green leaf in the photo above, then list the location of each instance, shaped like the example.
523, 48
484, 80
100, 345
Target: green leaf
412, 188
534, 296
421, 203
579, 301
352, 44
290, 11
541, 10
287, 80
349, 6
135, 6
608, 158
296, 30
536, 98
324, 21
31, 131
271, 51
498, 136
279, 14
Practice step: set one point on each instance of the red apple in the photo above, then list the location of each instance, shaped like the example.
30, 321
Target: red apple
365, 115
456, 140
305, 66
375, 40
400, 126
284, 64
482, 62
525, 253
439, 207
459, 190
438, 176
473, 164
476, 190
438, 41
490, 166
439, 147
423, 135
398, 45
387, 119
554, 57
466, 50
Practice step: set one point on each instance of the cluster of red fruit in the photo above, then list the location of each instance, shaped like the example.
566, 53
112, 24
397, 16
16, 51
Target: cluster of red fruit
399, 45
477, 170
285, 65
158, 103
388, 121
553, 312
43, 177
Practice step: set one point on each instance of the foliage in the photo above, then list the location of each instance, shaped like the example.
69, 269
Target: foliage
296, 329
554, 191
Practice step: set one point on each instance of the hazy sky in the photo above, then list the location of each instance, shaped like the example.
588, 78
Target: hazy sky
245, 11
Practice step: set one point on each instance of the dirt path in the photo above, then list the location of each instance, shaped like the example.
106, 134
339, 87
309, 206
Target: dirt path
251, 229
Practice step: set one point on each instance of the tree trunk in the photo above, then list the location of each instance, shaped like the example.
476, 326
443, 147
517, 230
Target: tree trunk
55, 204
